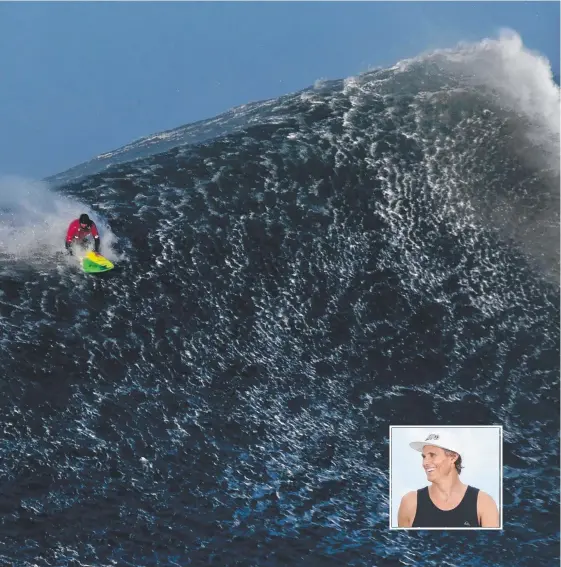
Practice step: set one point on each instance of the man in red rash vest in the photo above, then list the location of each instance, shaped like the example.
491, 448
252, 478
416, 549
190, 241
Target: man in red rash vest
79, 230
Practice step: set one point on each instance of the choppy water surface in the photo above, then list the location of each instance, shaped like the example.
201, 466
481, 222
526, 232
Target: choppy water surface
381, 250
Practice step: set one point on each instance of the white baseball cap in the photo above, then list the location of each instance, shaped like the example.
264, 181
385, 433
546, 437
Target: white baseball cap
444, 439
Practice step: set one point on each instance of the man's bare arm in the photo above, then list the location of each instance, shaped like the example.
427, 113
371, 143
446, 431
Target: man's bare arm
487, 511
407, 510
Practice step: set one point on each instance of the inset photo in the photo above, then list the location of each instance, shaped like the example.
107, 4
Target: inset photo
446, 477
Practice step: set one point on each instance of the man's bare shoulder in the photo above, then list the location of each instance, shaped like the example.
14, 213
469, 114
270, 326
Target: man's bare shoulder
407, 509
485, 499
410, 498
487, 511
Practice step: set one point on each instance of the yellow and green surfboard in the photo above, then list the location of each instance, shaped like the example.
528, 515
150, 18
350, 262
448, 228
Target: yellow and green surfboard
94, 263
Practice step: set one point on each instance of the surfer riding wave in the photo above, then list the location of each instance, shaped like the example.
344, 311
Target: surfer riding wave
78, 232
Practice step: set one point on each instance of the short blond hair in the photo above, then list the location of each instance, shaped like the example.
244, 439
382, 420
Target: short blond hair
457, 462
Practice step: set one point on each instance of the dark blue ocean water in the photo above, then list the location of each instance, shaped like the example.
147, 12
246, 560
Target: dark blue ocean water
292, 278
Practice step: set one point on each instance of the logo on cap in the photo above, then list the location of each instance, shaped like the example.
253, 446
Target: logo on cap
432, 437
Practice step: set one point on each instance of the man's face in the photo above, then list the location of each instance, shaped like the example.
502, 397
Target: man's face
436, 462
83, 225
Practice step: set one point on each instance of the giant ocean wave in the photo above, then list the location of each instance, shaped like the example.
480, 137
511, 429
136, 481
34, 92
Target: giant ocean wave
295, 276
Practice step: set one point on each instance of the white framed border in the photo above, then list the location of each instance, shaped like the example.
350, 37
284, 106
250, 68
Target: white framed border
441, 427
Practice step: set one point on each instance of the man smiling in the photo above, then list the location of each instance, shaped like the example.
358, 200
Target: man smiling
447, 502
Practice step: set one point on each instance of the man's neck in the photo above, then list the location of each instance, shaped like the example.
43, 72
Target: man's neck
446, 488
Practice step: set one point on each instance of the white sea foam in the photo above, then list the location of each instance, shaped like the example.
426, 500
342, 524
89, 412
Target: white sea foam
522, 80
34, 220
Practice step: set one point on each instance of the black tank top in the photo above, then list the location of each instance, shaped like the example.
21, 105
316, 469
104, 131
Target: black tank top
464, 515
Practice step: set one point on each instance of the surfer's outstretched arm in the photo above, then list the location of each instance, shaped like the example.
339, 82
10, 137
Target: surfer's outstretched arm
71, 235
96, 239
